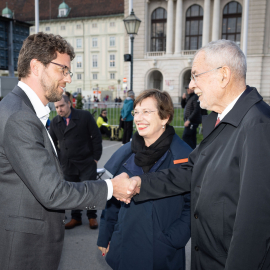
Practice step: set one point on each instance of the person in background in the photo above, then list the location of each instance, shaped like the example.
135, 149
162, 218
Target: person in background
126, 117
80, 147
102, 123
151, 235
192, 117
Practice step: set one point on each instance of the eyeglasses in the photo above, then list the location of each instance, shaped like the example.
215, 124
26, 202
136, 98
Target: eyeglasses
65, 69
144, 113
193, 76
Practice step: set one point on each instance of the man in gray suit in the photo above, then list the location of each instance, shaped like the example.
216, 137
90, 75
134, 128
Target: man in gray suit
33, 192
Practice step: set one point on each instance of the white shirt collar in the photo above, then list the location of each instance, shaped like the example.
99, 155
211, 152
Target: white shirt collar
228, 108
42, 111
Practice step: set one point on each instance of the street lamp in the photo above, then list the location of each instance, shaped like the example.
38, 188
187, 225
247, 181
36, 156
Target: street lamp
132, 24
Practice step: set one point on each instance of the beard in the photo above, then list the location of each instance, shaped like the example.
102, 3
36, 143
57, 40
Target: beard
52, 93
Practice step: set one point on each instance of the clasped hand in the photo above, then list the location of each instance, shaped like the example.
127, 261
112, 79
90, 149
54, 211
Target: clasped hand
124, 188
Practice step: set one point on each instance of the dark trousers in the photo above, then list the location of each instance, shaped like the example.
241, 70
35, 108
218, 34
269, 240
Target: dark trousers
105, 130
89, 173
128, 128
190, 135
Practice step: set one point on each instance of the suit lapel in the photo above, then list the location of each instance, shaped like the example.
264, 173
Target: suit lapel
19, 92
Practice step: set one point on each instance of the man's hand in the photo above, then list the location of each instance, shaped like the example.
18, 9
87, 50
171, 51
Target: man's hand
184, 96
124, 188
134, 187
186, 124
104, 250
120, 185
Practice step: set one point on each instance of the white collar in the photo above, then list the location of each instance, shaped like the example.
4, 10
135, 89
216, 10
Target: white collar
228, 108
42, 111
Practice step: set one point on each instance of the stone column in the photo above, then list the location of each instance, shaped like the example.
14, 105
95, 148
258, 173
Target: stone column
178, 28
245, 33
206, 22
147, 35
215, 29
169, 38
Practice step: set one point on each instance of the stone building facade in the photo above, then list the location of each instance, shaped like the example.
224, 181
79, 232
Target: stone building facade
171, 31
96, 31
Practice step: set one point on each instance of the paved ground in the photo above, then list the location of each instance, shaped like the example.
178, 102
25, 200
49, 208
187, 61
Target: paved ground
80, 250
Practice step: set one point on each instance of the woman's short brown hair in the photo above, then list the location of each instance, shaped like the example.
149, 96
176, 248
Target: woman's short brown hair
164, 102
44, 48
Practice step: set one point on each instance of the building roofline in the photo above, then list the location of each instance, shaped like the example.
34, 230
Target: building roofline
2, 18
62, 19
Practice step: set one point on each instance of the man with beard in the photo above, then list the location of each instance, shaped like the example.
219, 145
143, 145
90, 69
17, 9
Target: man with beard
80, 147
102, 123
34, 193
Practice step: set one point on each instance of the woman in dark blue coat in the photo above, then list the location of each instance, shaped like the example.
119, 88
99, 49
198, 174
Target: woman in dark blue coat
151, 234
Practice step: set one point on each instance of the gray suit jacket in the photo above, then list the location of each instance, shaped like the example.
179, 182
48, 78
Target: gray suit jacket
33, 193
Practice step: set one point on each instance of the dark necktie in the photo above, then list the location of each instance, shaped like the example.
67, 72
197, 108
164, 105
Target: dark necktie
217, 122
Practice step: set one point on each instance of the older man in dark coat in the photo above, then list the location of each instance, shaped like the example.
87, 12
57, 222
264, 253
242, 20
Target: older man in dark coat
80, 147
228, 173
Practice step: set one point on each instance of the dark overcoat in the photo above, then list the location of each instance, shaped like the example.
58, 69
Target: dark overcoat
229, 177
80, 143
33, 193
152, 234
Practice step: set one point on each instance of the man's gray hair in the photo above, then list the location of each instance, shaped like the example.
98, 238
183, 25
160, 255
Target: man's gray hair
225, 53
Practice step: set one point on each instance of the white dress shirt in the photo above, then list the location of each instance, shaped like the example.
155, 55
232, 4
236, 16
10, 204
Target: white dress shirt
228, 108
43, 113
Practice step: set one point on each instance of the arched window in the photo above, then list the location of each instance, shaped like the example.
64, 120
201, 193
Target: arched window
231, 25
194, 26
158, 30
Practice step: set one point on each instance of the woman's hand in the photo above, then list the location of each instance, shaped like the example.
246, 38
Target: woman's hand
104, 250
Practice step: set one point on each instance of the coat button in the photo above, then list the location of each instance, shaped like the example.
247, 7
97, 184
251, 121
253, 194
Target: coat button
64, 222
196, 248
196, 216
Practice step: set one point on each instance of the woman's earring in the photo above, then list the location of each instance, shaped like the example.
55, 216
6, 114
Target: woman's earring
163, 126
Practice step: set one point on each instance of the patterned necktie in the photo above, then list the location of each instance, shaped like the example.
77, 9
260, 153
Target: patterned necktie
217, 122
67, 120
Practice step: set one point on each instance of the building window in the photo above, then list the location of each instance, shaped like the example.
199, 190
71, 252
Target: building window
231, 25
112, 76
63, 27
79, 76
48, 28
79, 43
62, 13
95, 61
94, 42
79, 90
158, 30
112, 41
94, 25
79, 26
194, 26
112, 24
112, 60
79, 61
95, 76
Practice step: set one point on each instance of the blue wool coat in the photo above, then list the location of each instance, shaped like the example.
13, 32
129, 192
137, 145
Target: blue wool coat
127, 109
151, 234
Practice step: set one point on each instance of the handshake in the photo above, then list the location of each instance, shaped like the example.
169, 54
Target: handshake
124, 188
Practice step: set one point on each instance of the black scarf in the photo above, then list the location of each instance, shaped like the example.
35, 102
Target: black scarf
105, 119
146, 157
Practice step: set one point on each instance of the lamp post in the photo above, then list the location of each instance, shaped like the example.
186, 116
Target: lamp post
132, 24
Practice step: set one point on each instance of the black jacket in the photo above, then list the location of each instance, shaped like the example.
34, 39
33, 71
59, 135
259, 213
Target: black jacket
80, 143
192, 109
229, 178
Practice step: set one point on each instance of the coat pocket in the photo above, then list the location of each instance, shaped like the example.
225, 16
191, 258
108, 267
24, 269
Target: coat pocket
25, 225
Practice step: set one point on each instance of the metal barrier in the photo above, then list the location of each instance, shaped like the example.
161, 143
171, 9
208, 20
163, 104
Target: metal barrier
114, 112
